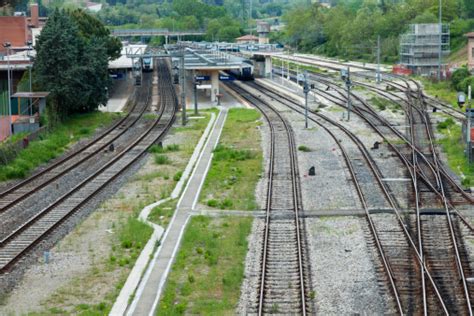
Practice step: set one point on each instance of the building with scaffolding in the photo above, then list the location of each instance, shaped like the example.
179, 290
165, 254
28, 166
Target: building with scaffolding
420, 47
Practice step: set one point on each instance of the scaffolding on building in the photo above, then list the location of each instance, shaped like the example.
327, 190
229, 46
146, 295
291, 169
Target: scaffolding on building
420, 47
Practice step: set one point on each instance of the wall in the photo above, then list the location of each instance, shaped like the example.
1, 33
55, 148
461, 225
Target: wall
13, 29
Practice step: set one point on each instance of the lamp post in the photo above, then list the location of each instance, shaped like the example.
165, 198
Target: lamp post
440, 41
306, 91
7, 45
29, 44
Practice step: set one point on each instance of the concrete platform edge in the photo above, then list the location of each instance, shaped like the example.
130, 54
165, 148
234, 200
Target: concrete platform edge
141, 267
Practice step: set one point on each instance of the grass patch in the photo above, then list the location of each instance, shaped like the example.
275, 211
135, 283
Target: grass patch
237, 163
52, 144
162, 160
443, 90
209, 268
304, 148
162, 214
382, 104
156, 149
453, 146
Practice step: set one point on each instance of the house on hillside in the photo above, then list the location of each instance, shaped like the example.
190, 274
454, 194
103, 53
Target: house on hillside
247, 39
470, 51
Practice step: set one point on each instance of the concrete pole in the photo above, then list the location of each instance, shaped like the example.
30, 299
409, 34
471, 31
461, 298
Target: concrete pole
195, 94
297, 74
288, 68
31, 90
440, 41
306, 90
378, 59
348, 85
9, 90
468, 124
183, 86
214, 85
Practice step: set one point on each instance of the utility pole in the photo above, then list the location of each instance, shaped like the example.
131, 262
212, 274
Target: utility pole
183, 85
195, 94
378, 60
29, 43
250, 17
468, 125
306, 90
7, 45
440, 39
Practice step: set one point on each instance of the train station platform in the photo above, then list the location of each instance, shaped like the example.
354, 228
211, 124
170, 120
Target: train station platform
118, 95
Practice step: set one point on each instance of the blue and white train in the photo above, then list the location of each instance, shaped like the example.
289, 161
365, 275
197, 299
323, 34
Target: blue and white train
147, 64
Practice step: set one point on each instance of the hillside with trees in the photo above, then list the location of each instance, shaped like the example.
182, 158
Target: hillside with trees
349, 29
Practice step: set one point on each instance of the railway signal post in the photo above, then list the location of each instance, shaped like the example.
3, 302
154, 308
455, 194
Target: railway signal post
346, 77
306, 91
182, 84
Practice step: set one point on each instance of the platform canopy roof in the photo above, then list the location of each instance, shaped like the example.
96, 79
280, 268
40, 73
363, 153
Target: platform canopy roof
34, 95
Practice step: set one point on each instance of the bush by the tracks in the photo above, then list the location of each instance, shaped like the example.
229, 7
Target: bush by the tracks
53, 143
71, 63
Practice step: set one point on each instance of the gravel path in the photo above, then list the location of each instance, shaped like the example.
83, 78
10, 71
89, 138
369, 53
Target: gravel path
344, 278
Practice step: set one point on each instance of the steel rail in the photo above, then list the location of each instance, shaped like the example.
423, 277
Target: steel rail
459, 266
378, 177
295, 196
19, 186
452, 236
396, 132
68, 157
163, 128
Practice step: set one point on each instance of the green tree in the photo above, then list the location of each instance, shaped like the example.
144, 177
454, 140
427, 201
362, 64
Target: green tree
71, 65
458, 76
58, 49
92, 28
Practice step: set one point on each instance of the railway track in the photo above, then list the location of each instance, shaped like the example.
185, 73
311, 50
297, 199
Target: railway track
22, 189
417, 287
370, 72
283, 268
394, 137
25, 237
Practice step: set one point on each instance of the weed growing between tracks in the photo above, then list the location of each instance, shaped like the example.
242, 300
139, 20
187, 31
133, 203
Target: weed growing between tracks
454, 147
443, 90
209, 268
237, 163
52, 144
92, 263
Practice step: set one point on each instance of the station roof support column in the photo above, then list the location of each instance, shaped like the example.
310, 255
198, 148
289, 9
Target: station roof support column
268, 66
214, 85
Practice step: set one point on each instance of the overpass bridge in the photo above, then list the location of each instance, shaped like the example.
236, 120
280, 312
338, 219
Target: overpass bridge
156, 32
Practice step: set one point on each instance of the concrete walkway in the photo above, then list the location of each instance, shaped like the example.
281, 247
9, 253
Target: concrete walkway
148, 293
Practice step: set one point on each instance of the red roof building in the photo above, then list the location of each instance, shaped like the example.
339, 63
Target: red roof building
18, 29
247, 39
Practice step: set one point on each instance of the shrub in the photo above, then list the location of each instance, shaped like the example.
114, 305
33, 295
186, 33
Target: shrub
458, 76
162, 159
172, 147
156, 149
447, 123
226, 203
304, 148
212, 203
177, 176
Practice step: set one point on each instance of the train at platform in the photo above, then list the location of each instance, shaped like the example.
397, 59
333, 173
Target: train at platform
244, 73
147, 64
